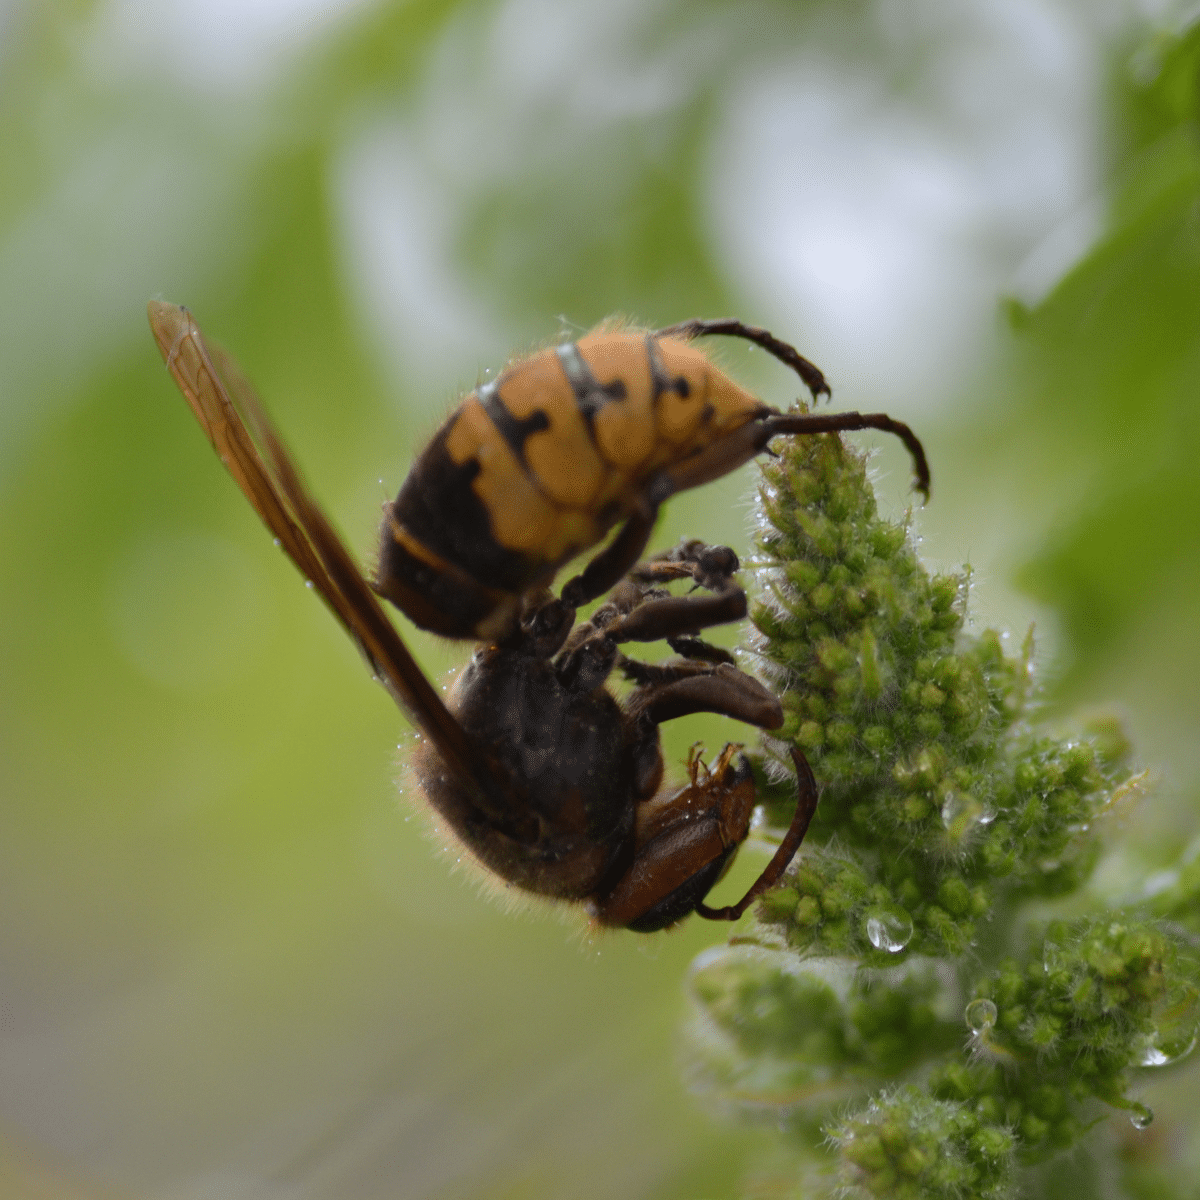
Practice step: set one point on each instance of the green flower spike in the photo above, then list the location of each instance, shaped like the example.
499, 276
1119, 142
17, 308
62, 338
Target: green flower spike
889, 1001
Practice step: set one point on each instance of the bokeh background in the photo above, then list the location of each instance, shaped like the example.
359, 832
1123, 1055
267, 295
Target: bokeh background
231, 963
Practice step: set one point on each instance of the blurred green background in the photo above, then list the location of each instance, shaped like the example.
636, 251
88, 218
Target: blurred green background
231, 963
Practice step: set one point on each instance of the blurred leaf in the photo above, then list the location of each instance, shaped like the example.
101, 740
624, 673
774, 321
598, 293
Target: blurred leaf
1111, 365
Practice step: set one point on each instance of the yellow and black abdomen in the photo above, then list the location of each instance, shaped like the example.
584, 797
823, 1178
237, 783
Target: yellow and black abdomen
538, 466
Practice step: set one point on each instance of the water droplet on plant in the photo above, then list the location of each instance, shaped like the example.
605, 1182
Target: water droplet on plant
277, 541
953, 807
961, 813
308, 583
980, 1015
1052, 957
889, 931
1164, 1053
1141, 1116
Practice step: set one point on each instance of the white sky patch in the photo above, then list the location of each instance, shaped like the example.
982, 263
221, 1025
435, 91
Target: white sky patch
579, 57
1060, 250
125, 219
397, 227
520, 91
885, 226
846, 217
214, 47
877, 224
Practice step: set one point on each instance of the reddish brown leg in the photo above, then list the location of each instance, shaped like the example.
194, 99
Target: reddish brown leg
849, 422
673, 618
731, 452
655, 675
722, 689
609, 567
677, 615
806, 805
731, 327
636, 611
711, 567
750, 439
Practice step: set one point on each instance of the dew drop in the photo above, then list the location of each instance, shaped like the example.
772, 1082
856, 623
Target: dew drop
277, 541
962, 812
889, 931
956, 811
980, 1015
1165, 1053
308, 583
1142, 1116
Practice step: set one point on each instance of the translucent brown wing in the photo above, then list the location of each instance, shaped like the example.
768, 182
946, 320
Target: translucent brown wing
229, 412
